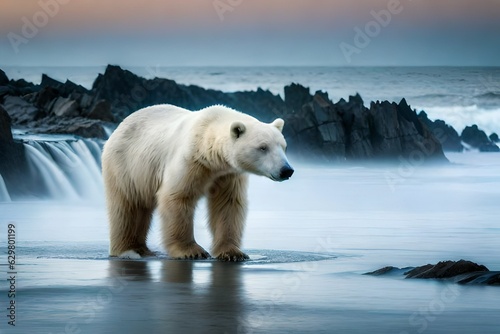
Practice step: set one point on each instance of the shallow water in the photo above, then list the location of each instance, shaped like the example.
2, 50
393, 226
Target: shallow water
310, 240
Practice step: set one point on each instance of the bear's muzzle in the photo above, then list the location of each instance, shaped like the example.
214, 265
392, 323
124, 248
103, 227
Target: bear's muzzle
286, 172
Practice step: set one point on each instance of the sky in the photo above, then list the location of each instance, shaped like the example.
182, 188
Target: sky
250, 32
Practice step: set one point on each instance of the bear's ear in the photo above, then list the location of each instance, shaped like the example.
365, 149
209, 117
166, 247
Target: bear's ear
237, 129
279, 124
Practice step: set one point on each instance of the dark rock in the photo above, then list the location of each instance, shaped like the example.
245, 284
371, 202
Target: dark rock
6, 90
4, 80
324, 95
446, 134
315, 127
385, 134
382, 271
13, 164
85, 128
45, 99
65, 89
445, 269
22, 87
330, 127
126, 92
396, 131
20, 111
296, 96
356, 99
5, 131
356, 121
494, 138
86, 101
422, 146
461, 272
101, 110
65, 107
261, 104
49, 82
473, 136
351, 131
477, 138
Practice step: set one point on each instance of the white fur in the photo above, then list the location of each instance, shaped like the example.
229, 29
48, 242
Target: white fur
168, 157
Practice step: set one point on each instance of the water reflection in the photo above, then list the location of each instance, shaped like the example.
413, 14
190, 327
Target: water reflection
188, 296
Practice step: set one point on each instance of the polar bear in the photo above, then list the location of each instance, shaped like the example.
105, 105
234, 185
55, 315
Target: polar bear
169, 157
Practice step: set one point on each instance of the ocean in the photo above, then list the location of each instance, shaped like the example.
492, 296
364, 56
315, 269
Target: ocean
461, 96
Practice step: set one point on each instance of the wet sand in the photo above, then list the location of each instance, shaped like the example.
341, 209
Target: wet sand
259, 296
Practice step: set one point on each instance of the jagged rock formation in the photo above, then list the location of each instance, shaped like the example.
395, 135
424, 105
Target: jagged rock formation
316, 128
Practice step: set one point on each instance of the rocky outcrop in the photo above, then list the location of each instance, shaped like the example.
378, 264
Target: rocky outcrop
446, 134
494, 138
127, 92
476, 138
347, 130
451, 141
56, 108
4, 80
317, 128
13, 164
101, 110
445, 269
5, 131
462, 272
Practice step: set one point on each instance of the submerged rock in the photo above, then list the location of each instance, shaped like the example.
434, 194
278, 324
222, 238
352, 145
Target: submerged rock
462, 272
477, 138
445, 269
494, 138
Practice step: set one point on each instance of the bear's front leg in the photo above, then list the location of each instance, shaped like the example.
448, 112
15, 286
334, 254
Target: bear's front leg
177, 214
227, 204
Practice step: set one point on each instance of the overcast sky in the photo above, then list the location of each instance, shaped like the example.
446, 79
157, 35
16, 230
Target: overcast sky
250, 32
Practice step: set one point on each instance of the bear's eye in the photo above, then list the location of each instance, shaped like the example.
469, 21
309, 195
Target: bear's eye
263, 148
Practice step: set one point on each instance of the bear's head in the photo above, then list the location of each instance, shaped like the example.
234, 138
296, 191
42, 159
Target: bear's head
259, 148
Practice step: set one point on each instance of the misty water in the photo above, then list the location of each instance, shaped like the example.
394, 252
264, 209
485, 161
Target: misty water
310, 239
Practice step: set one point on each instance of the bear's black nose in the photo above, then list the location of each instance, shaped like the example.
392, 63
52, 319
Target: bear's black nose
286, 172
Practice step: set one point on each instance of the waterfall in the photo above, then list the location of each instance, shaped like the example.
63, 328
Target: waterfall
63, 169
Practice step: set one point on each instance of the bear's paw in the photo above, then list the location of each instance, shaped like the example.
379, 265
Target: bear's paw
232, 255
130, 254
191, 252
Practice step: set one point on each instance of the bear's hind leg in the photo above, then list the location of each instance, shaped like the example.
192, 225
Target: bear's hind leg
227, 205
129, 227
177, 214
